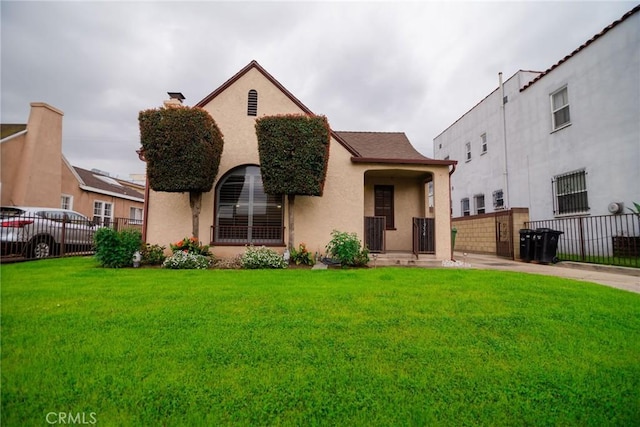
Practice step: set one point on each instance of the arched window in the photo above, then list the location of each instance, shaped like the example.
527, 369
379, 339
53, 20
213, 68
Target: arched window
244, 213
252, 104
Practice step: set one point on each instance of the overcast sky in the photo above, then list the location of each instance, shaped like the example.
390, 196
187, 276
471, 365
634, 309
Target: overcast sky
412, 67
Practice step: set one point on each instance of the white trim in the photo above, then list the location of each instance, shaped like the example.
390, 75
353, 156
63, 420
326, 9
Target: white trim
15, 135
110, 193
73, 170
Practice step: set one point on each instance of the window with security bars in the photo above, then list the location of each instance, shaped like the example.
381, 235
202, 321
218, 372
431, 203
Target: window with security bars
244, 212
560, 109
252, 103
478, 200
570, 193
464, 207
498, 199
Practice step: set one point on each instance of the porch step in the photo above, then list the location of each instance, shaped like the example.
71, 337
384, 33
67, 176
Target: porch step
402, 259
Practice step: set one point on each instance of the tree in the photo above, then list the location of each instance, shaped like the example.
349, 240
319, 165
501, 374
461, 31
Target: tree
294, 153
182, 147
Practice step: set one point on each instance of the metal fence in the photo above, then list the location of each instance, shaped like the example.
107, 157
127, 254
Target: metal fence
34, 237
606, 239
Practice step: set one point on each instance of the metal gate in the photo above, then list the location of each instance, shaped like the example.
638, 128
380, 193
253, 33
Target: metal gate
504, 234
424, 231
374, 227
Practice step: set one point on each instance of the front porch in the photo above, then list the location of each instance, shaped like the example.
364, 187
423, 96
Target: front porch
402, 259
401, 219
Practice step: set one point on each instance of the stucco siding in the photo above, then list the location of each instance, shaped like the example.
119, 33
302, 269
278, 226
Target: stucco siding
602, 139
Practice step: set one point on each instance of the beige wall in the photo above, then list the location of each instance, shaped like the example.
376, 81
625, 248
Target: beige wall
30, 175
35, 173
342, 206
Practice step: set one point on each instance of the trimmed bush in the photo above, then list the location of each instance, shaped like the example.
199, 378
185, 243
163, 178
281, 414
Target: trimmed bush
182, 147
346, 248
187, 261
262, 257
294, 153
115, 249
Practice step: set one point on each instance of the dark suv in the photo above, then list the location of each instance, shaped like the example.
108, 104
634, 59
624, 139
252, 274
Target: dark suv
42, 232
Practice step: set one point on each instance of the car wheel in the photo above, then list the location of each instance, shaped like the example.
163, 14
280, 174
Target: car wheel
41, 247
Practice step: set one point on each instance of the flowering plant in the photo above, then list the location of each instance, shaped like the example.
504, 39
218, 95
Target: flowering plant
190, 245
262, 257
302, 255
182, 260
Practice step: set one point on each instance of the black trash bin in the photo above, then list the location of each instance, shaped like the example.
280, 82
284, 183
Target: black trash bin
546, 245
526, 245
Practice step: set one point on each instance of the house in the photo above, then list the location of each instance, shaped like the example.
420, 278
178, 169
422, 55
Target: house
377, 185
562, 142
36, 173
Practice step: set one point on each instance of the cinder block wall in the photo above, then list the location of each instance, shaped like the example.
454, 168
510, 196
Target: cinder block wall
477, 233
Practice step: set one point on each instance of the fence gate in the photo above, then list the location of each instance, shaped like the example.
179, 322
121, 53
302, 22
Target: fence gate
504, 231
374, 227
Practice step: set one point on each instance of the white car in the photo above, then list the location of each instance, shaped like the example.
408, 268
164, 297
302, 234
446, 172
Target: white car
42, 232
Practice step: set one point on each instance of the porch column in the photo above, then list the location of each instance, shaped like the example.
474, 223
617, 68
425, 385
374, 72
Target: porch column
442, 213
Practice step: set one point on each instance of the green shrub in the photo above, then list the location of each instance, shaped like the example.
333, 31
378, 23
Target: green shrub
294, 153
115, 249
191, 245
152, 254
262, 257
346, 248
187, 261
182, 147
302, 255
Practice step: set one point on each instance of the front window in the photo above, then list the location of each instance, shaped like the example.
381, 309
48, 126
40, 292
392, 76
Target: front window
560, 109
468, 151
66, 202
479, 202
465, 206
244, 213
102, 213
483, 141
570, 193
135, 215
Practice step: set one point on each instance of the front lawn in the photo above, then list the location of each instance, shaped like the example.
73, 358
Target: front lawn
374, 347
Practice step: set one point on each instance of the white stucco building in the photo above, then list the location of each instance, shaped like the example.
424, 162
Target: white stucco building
564, 142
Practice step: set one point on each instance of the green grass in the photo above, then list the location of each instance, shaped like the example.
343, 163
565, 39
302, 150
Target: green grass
374, 347
604, 260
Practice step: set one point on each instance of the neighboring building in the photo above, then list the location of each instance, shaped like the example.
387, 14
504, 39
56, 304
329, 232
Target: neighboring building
371, 178
562, 142
36, 173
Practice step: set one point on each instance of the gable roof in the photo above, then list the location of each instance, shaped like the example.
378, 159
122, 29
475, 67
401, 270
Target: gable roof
583, 46
385, 147
103, 184
7, 130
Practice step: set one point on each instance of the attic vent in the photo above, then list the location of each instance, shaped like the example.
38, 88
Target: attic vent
252, 105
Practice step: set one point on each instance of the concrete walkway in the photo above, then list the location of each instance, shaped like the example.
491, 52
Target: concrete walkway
617, 277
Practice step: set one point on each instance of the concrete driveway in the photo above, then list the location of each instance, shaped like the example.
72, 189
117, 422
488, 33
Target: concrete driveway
617, 277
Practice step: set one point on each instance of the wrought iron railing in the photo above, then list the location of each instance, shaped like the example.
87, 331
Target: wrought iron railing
424, 230
246, 235
606, 239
